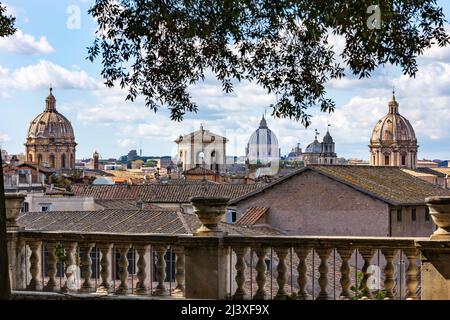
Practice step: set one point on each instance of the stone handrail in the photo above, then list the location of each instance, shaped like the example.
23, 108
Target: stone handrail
214, 265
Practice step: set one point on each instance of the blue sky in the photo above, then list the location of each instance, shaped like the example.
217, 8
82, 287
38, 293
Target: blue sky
46, 51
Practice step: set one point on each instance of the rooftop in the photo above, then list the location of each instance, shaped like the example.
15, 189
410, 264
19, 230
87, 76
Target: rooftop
388, 184
164, 193
123, 221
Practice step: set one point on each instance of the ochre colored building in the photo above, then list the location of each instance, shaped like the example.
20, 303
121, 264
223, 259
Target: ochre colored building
51, 140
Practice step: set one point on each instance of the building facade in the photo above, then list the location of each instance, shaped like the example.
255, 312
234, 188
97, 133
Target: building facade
324, 200
202, 148
51, 139
393, 141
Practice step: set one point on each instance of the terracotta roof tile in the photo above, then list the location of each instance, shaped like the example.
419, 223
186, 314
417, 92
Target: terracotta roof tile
252, 215
389, 184
199, 171
165, 193
125, 204
122, 221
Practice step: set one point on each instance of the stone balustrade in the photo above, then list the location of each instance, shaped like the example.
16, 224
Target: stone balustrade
98, 263
211, 264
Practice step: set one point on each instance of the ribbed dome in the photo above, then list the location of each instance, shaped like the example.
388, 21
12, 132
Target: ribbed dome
262, 145
50, 123
393, 127
314, 147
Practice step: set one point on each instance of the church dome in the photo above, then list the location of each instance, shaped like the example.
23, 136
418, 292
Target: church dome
314, 147
393, 127
262, 145
50, 123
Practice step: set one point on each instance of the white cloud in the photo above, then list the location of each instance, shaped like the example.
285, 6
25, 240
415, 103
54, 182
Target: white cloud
4, 138
22, 43
43, 74
126, 143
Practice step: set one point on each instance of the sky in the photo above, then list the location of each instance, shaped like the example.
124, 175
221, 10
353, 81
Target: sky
50, 48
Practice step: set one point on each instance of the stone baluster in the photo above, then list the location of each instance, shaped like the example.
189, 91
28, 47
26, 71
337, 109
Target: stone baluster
411, 274
160, 270
105, 273
52, 265
261, 273
389, 272
86, 267
71, 248
35, 283
141, 286
123, 268
323, 273
345, 254
302, 253
367, 254
240, 266
281, 270
179, 274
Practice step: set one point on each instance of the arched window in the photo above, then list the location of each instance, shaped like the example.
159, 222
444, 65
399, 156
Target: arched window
30, 158
200, 157
51, 161
39, 158
63, 161
373, 159
331, 161
386, 160
325, 161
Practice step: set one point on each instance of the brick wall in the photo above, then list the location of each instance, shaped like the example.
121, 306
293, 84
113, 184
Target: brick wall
312, 204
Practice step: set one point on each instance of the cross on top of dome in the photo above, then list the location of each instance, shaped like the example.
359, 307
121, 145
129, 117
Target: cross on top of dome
50, 102
393, 104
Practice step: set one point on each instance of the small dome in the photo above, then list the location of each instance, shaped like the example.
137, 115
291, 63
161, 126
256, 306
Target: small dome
393, 127
50, 123
314, 147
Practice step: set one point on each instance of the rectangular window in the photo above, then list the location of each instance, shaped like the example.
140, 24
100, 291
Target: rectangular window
413, 214
403, 160
25, 207
399, 215
427, 214
386, 160
45, 207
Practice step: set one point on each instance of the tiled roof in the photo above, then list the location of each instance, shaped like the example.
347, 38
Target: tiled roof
388, 184
199, 171
122, 221
252, 215
433, 171
109, 221
445, 171
125, 204
166, 193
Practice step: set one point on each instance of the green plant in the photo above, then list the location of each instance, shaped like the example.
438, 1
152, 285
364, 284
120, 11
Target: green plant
357, 290
292, 296
60, 253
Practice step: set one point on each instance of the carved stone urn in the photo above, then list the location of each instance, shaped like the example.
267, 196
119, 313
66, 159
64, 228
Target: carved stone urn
210, 212
440, 213
13, 206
